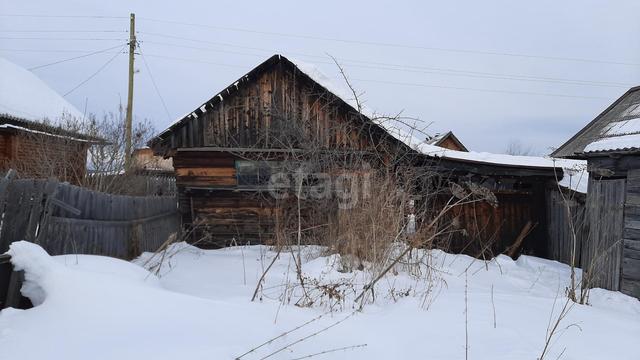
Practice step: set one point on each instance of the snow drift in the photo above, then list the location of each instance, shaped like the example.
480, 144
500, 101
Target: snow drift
198, 308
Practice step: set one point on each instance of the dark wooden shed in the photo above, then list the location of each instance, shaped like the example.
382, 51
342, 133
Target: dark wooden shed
221, 189
611, 145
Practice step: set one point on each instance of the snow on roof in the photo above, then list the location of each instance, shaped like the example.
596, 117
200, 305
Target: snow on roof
619, 135
48, 133
437, 138
575, 175
24, 95
617, 128
615, 143
410, 137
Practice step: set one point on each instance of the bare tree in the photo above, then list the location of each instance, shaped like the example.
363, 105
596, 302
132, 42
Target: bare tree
351, 187
87, 152
515, 147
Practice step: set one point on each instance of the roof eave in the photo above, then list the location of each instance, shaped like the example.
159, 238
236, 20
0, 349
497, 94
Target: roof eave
558, 153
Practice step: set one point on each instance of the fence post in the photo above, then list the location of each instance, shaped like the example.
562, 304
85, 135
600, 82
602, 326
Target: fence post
4, 185
44, 211
134, 239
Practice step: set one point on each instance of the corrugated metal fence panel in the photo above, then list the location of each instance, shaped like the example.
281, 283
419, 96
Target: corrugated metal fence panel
110, 225
602, 254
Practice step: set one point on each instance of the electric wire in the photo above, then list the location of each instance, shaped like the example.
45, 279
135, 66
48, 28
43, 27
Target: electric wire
73, 58
97, 71
513, 92
393, 45
155, 86
60, 38
393, 67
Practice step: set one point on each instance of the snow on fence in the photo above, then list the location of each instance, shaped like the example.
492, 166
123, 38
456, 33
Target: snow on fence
66, 219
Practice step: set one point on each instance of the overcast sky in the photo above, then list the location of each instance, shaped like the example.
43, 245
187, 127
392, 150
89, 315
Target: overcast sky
492, 71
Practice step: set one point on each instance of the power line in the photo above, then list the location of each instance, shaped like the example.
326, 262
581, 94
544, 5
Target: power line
516, 92
65, 16
74, 58
46, 51
196, 61
398, 67
155, 85
63, 31
393, 45
97, 71
59, 38
513, 92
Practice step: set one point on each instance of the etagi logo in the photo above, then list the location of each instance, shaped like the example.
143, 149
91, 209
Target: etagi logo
347, 188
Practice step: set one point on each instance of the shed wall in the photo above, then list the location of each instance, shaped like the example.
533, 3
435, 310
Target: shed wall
602, 254
630, 283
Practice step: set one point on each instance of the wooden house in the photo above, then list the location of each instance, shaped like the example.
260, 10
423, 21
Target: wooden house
32, 138
145, 162
611, 145
268, 110
38, 150
447, 140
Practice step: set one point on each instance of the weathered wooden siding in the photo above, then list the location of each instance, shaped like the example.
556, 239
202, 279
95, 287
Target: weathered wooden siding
449, 143
206, 180
602, 254
66, 219
567, 223
486, 230
278, 108
630, 282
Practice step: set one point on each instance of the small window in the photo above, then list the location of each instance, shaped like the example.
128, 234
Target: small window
251, 172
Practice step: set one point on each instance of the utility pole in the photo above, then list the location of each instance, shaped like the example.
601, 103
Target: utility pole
129, 115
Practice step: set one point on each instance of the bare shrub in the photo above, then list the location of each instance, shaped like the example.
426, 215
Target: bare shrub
87, 152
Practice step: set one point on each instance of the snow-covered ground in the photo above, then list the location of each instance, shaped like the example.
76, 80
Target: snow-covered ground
199, 307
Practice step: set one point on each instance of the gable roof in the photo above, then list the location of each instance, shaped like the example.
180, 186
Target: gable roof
405, 137
439, 139
616, 129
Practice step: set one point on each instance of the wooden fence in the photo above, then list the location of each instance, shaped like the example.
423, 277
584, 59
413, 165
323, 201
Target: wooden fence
566, 218
66, 219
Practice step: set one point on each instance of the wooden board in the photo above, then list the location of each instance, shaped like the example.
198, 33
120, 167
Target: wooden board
602, 253
630, 282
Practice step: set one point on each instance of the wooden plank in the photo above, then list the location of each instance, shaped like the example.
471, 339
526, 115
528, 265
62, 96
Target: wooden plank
206, 171
605, 204
631, 268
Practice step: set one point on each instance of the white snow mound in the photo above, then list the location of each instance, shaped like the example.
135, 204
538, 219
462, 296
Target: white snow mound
199, 308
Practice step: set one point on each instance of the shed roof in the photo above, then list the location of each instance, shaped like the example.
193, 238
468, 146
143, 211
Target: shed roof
615, 130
